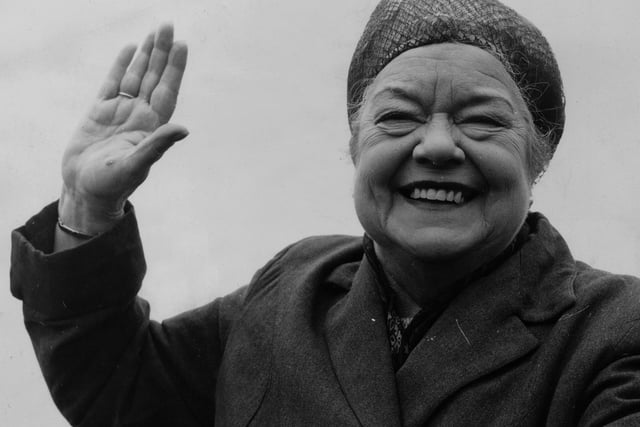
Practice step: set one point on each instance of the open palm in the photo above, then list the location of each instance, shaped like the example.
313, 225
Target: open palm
127, 128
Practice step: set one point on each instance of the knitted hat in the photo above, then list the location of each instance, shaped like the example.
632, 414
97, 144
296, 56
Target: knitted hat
396, 26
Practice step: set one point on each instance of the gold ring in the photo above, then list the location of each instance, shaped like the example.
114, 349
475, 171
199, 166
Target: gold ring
126, 95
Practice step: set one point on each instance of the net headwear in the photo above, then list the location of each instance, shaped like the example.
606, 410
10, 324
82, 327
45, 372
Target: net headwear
396, 26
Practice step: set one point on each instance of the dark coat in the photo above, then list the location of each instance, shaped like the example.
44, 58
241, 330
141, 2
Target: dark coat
542, 340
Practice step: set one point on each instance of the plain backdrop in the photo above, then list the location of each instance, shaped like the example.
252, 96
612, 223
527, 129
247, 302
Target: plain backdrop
266, 162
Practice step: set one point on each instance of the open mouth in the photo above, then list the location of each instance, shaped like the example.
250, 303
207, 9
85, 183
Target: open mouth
438, 192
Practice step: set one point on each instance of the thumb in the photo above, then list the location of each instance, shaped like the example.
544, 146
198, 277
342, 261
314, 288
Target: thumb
151, 149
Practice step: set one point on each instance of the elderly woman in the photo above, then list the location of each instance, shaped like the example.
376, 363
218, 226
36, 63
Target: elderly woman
458, 307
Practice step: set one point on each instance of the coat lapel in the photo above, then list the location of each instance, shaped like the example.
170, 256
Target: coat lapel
475, 336
356, 335
483, 329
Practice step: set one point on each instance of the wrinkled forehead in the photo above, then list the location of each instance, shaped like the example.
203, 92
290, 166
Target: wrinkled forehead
454, 70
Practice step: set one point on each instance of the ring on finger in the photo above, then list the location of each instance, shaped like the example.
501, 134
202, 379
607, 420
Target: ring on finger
126, 95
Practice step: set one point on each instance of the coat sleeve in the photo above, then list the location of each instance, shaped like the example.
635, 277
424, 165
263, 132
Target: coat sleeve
613, 397
104, 361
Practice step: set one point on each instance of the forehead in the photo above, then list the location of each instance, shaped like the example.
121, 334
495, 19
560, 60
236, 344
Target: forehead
453, 70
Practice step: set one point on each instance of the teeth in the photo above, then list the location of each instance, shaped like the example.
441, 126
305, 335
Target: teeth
439, 195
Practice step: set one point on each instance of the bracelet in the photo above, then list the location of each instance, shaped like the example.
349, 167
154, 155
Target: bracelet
73, 232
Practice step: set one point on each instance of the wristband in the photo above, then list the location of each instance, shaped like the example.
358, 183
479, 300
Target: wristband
73, 232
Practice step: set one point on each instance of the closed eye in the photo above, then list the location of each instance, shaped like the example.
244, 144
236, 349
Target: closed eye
398, 123
396, 116
482, 120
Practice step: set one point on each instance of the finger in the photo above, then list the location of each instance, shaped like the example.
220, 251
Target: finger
151, 149
131, 81
111, 86
164, 97
158, 61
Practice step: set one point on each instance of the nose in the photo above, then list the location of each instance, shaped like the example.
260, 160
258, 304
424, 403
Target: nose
437, 145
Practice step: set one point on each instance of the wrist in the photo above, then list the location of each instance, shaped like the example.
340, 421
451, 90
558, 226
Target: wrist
87, 215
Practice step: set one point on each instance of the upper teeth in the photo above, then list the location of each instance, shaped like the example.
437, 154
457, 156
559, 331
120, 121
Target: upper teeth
437, 194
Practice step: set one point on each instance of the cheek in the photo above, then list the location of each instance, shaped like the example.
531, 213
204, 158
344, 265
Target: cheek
504, 167
380, 157
378, 162
503, 161
371, 189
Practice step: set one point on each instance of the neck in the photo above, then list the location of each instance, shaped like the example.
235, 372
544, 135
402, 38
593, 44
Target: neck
425, 281
421, 281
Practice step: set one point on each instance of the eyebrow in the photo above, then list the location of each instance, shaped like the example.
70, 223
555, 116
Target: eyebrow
398, 92
483, 97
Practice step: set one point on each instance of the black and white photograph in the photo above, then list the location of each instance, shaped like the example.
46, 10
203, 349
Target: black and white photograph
337, 213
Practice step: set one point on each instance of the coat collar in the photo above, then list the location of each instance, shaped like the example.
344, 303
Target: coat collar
545, 272
483, 329
356, 335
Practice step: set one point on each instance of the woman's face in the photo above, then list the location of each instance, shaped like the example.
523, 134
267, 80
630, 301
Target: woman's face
441, 163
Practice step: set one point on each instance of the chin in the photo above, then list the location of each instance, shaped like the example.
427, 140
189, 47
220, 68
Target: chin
435, 246
470, 248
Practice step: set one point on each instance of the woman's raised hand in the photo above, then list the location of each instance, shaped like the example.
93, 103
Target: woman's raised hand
125, 132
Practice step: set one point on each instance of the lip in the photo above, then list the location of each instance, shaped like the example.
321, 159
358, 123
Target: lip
468, 192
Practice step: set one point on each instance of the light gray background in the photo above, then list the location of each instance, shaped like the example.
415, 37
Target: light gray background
266, 162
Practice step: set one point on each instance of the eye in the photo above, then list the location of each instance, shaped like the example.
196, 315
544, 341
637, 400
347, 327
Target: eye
397, 123
396, 116
482, 120
481, 126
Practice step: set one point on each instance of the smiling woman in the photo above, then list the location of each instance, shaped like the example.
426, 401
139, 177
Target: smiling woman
458, 306
440, 122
